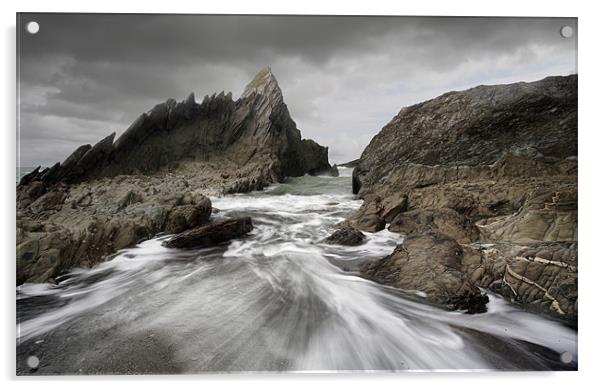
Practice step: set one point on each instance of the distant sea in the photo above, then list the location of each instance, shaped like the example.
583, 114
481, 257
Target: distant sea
23, 170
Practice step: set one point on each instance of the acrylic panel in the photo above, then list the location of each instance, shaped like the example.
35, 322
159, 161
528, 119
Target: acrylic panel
262, 193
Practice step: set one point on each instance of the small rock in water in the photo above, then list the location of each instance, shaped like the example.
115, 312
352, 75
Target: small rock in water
211, 234
334, 171
347, 236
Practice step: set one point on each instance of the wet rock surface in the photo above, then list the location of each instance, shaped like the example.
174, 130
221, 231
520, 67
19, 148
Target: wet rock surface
98, 218
493, 166
541, 277
211, 234
430, 263
347, 236
157, 176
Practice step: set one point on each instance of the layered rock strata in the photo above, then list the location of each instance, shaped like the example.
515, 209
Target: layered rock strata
493, 169
156, 176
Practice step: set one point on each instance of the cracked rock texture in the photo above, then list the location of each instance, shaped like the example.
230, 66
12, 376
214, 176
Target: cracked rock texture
156, 176
494, 169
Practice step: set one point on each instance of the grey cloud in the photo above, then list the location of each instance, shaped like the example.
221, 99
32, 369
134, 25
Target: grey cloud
83, 76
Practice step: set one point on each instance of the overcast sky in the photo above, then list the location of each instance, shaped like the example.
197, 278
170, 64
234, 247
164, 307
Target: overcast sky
343, 78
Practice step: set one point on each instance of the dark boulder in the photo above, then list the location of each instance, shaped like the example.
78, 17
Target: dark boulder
430, 263
211, 234
184, 217
347, 236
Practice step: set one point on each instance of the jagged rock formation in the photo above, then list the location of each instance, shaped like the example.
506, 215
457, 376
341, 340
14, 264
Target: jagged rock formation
254, 130
493, 165
155, 177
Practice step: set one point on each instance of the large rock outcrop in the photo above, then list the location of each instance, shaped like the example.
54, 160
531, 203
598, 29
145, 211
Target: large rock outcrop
156, 177
493, 165
255, 133
81, 225
477, 127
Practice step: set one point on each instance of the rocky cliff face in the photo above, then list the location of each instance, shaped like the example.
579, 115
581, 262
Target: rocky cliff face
155, 177
254, 130
493, 168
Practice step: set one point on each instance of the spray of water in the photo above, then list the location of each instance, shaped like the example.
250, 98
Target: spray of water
276, 300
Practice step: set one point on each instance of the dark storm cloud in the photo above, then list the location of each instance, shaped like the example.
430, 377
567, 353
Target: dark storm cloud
83, 76
174, 39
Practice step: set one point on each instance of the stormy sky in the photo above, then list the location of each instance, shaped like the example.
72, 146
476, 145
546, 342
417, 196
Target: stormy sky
343, 78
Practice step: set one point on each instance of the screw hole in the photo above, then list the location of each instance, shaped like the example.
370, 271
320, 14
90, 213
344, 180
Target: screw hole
566, 357
33, 362
32, 27
566, 31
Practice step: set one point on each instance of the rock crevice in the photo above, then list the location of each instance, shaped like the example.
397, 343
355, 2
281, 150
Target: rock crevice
157, 176
493, 168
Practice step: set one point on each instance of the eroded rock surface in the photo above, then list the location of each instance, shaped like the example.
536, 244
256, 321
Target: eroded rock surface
541, 276
95, 219
431, 263
211, 234
494, 165
157, 176
347, 236
255, 134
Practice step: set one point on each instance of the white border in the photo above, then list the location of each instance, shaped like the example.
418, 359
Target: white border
590, 129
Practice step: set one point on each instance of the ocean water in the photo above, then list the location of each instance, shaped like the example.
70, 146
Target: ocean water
275, 300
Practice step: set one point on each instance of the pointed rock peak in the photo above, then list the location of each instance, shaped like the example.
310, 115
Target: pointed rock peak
106, 141
264, 83
190, 99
